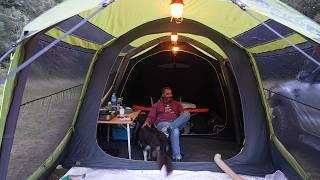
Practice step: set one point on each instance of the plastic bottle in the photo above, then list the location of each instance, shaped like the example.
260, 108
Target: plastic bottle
119, 101
109, 107
118, 107
114, 101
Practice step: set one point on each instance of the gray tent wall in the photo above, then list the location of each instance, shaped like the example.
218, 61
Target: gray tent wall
253, 159
46, 95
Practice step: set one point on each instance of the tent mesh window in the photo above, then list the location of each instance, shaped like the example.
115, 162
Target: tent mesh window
292, 83
50, 98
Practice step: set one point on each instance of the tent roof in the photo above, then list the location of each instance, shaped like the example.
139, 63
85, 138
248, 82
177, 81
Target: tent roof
221, 15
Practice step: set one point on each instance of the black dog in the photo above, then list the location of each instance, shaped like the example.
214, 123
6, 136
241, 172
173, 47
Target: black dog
155, 147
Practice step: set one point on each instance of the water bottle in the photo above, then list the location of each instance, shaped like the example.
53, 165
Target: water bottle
114, 101
109, 107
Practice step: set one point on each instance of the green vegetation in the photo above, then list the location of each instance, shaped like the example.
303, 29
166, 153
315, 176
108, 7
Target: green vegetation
15, 14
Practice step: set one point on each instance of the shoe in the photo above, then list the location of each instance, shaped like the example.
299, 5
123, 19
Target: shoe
177, 160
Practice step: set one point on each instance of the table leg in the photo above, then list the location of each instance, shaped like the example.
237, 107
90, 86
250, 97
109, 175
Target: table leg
108, 133
129, 144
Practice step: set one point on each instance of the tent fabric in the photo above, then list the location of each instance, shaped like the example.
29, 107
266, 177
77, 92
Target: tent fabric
249, 38
44, 116
73, 40
295, 105
122, 20
126, 25
88, 31
287, 16
8, 88
84, 150
277, 44
242, 37
156, 174
138, 42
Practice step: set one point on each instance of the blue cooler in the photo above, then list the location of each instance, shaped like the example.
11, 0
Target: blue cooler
119, 132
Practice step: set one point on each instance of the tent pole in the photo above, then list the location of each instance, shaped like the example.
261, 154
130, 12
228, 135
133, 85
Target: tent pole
41, 52
13, 47
244, 7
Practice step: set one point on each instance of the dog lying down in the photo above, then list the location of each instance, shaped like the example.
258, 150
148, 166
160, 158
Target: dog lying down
155, 147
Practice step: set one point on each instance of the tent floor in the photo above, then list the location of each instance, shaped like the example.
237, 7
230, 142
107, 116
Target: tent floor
194, 148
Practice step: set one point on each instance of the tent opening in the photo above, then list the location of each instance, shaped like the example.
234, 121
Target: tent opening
195, 78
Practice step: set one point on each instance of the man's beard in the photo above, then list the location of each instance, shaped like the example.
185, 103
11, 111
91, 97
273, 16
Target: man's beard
167, 99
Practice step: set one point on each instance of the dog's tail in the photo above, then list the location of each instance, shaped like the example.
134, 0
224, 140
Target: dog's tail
164, 160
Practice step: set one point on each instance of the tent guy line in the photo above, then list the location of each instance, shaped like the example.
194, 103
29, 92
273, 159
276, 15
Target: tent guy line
44, 50
239, 3
245, 8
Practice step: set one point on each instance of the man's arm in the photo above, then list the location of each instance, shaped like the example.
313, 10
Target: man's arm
151, 116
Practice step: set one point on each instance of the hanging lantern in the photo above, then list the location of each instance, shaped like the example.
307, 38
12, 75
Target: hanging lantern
177, 10
174, 37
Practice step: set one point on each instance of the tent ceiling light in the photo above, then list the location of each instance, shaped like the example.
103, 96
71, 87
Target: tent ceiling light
177, 10
174, 37
175, 49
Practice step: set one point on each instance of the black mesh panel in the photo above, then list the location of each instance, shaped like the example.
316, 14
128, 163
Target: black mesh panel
49, 102
292, 85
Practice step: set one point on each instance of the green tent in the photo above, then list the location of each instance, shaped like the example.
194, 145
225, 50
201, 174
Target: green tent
228, 60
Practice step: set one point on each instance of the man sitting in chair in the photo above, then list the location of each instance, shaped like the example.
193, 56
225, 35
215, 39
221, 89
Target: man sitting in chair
167, 115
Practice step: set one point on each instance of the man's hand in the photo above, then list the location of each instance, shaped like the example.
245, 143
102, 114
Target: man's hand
145, 124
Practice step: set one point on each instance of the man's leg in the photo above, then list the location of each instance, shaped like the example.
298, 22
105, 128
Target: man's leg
163, 127
175, 127
180, 121
175, 144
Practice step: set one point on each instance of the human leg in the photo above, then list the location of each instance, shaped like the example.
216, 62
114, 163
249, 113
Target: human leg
163, 127
175, 143
174, 129
180, 121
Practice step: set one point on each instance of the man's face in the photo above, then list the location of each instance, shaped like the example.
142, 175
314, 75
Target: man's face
167, 93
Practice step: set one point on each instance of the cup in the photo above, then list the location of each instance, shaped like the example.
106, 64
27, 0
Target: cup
121, 112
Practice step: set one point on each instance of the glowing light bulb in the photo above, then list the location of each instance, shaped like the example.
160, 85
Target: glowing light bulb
177, 10
175, 49
174, 38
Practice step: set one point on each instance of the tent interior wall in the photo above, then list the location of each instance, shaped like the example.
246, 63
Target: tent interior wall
245, 77
159, 67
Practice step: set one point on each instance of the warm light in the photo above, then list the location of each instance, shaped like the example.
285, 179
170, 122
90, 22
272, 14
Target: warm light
175, 49
177, 10
174, 38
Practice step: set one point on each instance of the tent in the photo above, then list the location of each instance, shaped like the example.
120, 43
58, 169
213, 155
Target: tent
50, 109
